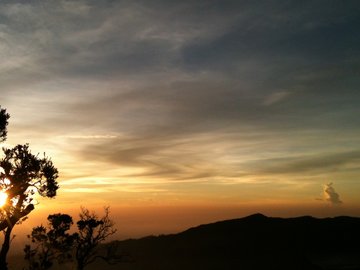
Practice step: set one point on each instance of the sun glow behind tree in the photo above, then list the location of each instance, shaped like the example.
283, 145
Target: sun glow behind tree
4, 186
3, 198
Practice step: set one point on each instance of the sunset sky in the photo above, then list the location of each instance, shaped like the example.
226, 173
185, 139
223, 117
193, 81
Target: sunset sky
176, 113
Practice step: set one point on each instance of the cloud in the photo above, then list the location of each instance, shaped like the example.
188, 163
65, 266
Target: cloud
331, 195
214, 156
180, 88
164, 158
275, 97
84, 137
308, 164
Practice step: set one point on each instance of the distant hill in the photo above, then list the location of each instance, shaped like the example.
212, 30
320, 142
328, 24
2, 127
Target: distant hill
253, 242
249, 243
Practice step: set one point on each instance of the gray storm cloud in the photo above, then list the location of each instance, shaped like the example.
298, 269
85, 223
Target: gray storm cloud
331, 195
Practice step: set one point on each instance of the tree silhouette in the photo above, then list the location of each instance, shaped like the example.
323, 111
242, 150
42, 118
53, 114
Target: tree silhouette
3, 123
51, 243
54, 243
92, 230
23, 175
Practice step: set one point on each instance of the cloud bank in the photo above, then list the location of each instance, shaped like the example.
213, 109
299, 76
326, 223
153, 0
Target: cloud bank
212, 92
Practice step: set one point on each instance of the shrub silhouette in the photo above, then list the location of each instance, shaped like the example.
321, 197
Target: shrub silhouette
51, 243
54, 243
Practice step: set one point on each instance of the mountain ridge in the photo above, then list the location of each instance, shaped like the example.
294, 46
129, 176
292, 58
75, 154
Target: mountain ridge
252, 242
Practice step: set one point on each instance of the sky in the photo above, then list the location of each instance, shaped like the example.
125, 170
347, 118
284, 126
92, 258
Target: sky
177, 113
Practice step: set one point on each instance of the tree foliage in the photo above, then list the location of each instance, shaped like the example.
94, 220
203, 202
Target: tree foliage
23, 176
4, 116
51, 243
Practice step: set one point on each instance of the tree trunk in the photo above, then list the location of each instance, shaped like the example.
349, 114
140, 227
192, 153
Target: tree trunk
80, 265
5, 248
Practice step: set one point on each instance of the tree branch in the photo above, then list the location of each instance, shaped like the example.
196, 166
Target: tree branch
11, 221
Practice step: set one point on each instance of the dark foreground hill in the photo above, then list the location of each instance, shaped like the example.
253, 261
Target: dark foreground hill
253, 242
250, 243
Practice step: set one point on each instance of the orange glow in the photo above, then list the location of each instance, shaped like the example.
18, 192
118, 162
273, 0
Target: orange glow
3, 198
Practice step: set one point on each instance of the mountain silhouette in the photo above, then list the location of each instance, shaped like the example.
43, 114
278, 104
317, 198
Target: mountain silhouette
253, 242
249, 243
